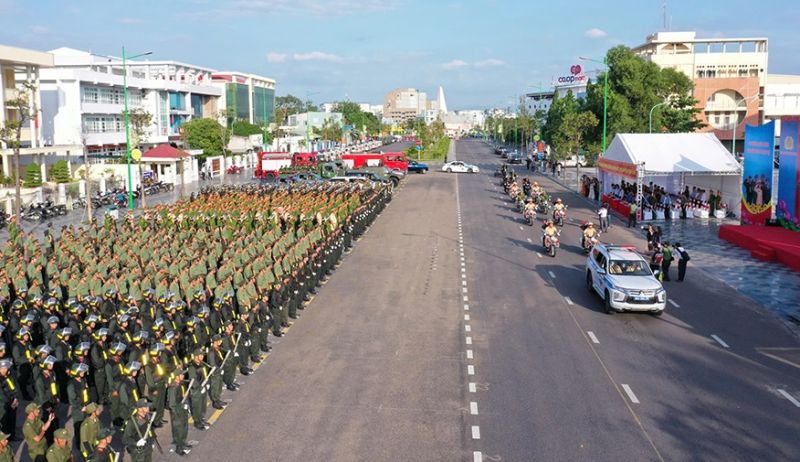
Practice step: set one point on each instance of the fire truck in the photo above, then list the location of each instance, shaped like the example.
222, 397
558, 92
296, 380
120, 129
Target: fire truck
270, 163
396, 160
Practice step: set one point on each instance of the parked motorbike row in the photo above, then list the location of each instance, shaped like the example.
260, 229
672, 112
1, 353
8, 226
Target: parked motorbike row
531, 200
42, 210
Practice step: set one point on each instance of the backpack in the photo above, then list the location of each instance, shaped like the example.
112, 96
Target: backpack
684, 255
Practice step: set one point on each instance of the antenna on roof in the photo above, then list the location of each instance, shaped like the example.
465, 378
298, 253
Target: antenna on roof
664, 15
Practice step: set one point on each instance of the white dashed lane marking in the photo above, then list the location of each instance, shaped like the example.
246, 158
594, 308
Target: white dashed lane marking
469, 340
672, 302
720, 341
469, 354
473, 408
470, 370
552, 274
473, 388
791, 398
568, 300
477, 456
630, 393
592, 337
467, 328
466, 317
476, 432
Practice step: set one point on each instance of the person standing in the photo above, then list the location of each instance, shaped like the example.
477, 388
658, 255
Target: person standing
178, 412
60, 450
683, 258
9, 400
6, 452
649, 236
34, 431
633, 214
602, 215
138, 437
667, 260
528, 162
89, 430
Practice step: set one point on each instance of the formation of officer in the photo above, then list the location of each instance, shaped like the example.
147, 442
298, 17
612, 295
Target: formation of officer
147, 319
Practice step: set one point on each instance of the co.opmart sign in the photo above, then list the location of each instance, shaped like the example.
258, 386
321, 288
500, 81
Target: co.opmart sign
576, 76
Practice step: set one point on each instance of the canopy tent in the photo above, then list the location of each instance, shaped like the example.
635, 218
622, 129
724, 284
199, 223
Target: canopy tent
672, 161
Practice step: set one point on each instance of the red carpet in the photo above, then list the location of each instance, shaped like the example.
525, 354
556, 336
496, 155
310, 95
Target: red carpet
766, 243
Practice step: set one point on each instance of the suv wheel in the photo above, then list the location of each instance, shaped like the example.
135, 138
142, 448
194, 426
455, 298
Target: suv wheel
589, 284
449, 170
607, 304
657, 313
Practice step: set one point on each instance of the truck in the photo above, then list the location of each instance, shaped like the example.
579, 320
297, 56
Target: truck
395, 160
270, 163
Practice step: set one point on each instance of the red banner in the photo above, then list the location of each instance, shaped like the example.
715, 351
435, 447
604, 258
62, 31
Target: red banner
617, 167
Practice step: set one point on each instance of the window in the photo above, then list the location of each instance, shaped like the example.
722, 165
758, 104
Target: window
91, 94
629, 267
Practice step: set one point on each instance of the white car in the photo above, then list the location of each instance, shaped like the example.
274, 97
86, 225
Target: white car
622, 278
460, 167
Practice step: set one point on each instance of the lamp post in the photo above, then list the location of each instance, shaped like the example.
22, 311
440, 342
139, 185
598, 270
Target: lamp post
651, 113
736, 119
309, 94
127, 125
605, 96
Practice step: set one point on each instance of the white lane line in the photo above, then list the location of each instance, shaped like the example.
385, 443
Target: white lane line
466, 299
467, 328
466, 307
466, 317
592, 337
720, 341
630, 394
552, 274
568, 300
462, 258
477, 456
538, 255
463, 283
473, 408
789, 397
469, 340
470, 370
469, 354
463, 270
476, 432
521, 228
464, 290
473, 388
529, 240
672, 302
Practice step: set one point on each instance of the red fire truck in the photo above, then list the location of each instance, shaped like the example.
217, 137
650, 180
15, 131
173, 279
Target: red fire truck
396, 160
269, 163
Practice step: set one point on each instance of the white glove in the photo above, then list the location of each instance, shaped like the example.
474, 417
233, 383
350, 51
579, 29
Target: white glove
203, 390
140, 443
186, 407
236, 355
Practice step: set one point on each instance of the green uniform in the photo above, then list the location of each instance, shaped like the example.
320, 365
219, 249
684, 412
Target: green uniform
7, 455
59, 454
178, 414
135, 429
197, 394
156, 376
88, 438
32, 429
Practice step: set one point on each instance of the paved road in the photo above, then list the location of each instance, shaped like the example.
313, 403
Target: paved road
444, 336
553, 393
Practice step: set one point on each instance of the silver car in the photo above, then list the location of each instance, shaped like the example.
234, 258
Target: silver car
623, 279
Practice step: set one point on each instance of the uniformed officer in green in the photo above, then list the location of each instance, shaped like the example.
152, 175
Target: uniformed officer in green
198, 371
6, 452
178, 411
156, 376
104, 452
138, 438
34, 431
60, 451
217, 360
90, 428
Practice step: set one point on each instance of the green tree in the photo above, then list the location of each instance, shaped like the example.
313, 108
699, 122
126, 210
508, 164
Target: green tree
330, 130
362, 122
205, 134
244, 128
560, 109
290, 105
33, 175
22, 111
572, 131
60, 172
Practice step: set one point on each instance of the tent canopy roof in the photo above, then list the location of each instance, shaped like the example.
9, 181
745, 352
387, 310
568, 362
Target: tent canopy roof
668, 153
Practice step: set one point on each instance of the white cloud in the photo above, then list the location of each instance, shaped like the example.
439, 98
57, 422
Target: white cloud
454, 64
596, 33
39, 29
489, 62
317, 56
274, 57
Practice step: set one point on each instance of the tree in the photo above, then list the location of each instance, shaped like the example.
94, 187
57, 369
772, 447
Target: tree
206, 134
11, 133
60, 172
573, 129
560, 109
330, 130
33, 175
244, 128
291, 105
365, 122
140, 122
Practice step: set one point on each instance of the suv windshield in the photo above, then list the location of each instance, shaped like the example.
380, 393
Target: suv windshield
629, 268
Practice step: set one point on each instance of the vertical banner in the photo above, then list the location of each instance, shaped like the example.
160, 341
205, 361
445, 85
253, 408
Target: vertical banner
788, 200
759, 146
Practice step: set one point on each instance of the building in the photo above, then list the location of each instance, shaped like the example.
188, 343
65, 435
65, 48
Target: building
729, 77
18, 65
539, 101
403, 104
83, 99
304, 123
781, 98
246, 97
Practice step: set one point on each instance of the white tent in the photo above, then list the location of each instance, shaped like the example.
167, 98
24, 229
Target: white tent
673, 161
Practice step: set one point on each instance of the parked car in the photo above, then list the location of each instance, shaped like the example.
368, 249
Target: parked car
418, 167
573, 161
459, 167
623, 279
514, 157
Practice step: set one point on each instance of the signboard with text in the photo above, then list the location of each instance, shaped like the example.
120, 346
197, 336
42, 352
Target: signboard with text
759, 146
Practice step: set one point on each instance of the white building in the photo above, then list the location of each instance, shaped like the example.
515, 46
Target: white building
83, 99
539, 101
781, 98
403, 104
245, 97
18, 65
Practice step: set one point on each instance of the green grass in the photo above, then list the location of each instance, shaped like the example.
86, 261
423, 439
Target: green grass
437, 153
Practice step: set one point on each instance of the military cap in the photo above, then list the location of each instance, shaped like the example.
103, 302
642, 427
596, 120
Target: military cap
216, 338
198, 352
52, 320
31, 407
178, 371
3, 436
143, 403
62, 434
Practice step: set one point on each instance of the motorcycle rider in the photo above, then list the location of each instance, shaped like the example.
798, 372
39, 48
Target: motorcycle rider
530, 208
558, 207
589, 233
549, 230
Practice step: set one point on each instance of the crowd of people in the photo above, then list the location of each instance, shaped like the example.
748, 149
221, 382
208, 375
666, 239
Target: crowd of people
109, 326
658, 203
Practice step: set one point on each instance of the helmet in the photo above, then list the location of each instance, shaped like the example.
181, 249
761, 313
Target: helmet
123, 318
18, 304
590, 225
140, 336
197, 293
100, 333
156, 349
43, 350
217, 302
147, 293
77, 368
23, 332
91, 318
132, 367
51, 302
118, 348
110, 293
558, 200
64, 332
82, 348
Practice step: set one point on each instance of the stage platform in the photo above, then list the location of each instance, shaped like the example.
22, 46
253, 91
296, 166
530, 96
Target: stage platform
766, 243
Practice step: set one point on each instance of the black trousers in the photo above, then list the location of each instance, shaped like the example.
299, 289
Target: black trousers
632, 219
665, 268
681, 269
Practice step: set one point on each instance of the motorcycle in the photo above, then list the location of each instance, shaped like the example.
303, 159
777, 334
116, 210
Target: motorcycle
559, 216
551, 243
588, 242
33, 213
530, 216
79, 203
234, 169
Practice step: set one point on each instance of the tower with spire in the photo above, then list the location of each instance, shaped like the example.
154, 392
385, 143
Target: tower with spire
441, 103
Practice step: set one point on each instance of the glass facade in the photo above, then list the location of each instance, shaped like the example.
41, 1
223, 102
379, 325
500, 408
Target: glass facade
197, 106
177, 101
264, 102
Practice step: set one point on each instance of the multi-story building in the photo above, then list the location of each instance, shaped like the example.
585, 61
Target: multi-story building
18, 65
729, 77
83, 99
246, 97
303, 124
539, 101
781, 98
404, 104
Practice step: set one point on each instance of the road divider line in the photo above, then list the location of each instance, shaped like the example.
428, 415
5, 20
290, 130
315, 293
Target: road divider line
529, 240
463, 283
464, 290
467, 328
466, 317
466, 307
791, 398
470, 370
672, 302
592, 337
477, 456
466, 299
469, 340
630, 393
538, 255
568, 300
476, 432
473, 388
521, 228
552, 274
720, 341
469, 354
473, 408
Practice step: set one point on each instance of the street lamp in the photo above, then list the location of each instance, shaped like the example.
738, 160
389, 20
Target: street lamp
736, 118
127, 125
605, 96
651, 113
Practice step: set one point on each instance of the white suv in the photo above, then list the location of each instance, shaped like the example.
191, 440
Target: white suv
624, 281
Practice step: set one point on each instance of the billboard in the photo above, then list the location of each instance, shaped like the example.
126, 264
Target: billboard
788, 188
759, 146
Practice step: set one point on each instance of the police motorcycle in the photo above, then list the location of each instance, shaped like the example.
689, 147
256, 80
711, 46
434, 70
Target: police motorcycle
550, 243
559, 215
502, 171
529, 212
586, 242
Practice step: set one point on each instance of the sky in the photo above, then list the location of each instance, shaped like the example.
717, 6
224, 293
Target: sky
485, 53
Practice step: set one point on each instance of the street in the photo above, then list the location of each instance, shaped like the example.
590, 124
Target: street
446, 335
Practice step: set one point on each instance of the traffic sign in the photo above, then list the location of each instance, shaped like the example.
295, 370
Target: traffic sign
419, 142
536, 137
419, 147
136, 154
